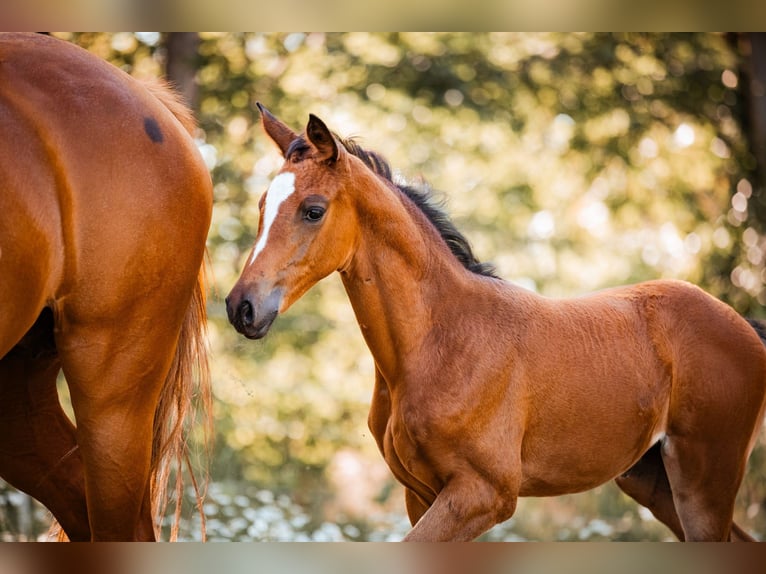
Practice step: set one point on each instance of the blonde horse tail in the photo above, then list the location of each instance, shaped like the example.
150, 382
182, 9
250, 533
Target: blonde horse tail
184, 406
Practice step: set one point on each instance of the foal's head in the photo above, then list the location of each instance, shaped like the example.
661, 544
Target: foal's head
306, 230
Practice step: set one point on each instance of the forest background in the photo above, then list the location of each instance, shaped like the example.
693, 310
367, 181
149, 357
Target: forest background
573, 162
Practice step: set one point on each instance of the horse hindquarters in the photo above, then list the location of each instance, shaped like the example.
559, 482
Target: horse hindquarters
112, 189
119, 323
716, 406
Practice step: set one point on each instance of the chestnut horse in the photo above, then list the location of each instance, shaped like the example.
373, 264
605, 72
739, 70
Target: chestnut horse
485, 391
105, 205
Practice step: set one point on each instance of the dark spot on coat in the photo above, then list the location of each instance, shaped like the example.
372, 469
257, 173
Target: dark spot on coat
152, 129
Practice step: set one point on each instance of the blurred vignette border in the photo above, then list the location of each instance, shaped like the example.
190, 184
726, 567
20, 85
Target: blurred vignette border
379, 558
399, 15
478, 558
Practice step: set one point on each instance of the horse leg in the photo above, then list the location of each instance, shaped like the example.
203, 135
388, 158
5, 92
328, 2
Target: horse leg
462, 511
704, 482
115, 372
416, 508
739, 535
38, 450
647, 483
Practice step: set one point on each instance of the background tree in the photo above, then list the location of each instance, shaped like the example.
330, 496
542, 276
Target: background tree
181, 63
752, 48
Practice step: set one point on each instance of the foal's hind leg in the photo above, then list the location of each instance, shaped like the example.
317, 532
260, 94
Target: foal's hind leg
704, 479
711, 428
38, 451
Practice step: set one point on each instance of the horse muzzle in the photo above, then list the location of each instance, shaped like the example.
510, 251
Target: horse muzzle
251, 315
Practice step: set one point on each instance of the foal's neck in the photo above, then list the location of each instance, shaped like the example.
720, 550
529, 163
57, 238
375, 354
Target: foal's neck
400, 276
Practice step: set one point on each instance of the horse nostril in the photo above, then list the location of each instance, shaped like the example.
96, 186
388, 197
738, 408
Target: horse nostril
231, 311
246, 312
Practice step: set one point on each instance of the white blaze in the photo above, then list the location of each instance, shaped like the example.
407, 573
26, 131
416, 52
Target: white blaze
280, 189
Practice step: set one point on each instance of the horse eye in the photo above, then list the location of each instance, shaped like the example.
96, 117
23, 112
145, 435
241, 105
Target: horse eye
314, 213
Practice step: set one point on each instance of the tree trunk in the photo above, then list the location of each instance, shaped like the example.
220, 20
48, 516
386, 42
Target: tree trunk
181, 64
752, 47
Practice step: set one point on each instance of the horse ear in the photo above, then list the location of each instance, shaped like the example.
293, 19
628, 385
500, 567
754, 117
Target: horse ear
277, 131
322, 139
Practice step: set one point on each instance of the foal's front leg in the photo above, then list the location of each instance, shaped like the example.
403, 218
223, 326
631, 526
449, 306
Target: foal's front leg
464, 509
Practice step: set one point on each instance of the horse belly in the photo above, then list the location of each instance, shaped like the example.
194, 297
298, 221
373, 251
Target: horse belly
595, 434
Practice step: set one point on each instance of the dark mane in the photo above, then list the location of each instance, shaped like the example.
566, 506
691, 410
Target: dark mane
422, 196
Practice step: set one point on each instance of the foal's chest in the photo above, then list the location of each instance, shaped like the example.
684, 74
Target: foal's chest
408, 460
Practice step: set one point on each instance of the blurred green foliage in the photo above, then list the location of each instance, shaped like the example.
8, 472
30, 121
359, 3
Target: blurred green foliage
572, 161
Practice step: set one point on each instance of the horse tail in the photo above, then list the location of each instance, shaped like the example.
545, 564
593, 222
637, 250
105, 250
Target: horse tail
186, 393
185, 397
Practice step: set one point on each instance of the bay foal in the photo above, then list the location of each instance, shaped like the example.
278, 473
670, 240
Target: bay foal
485, 391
